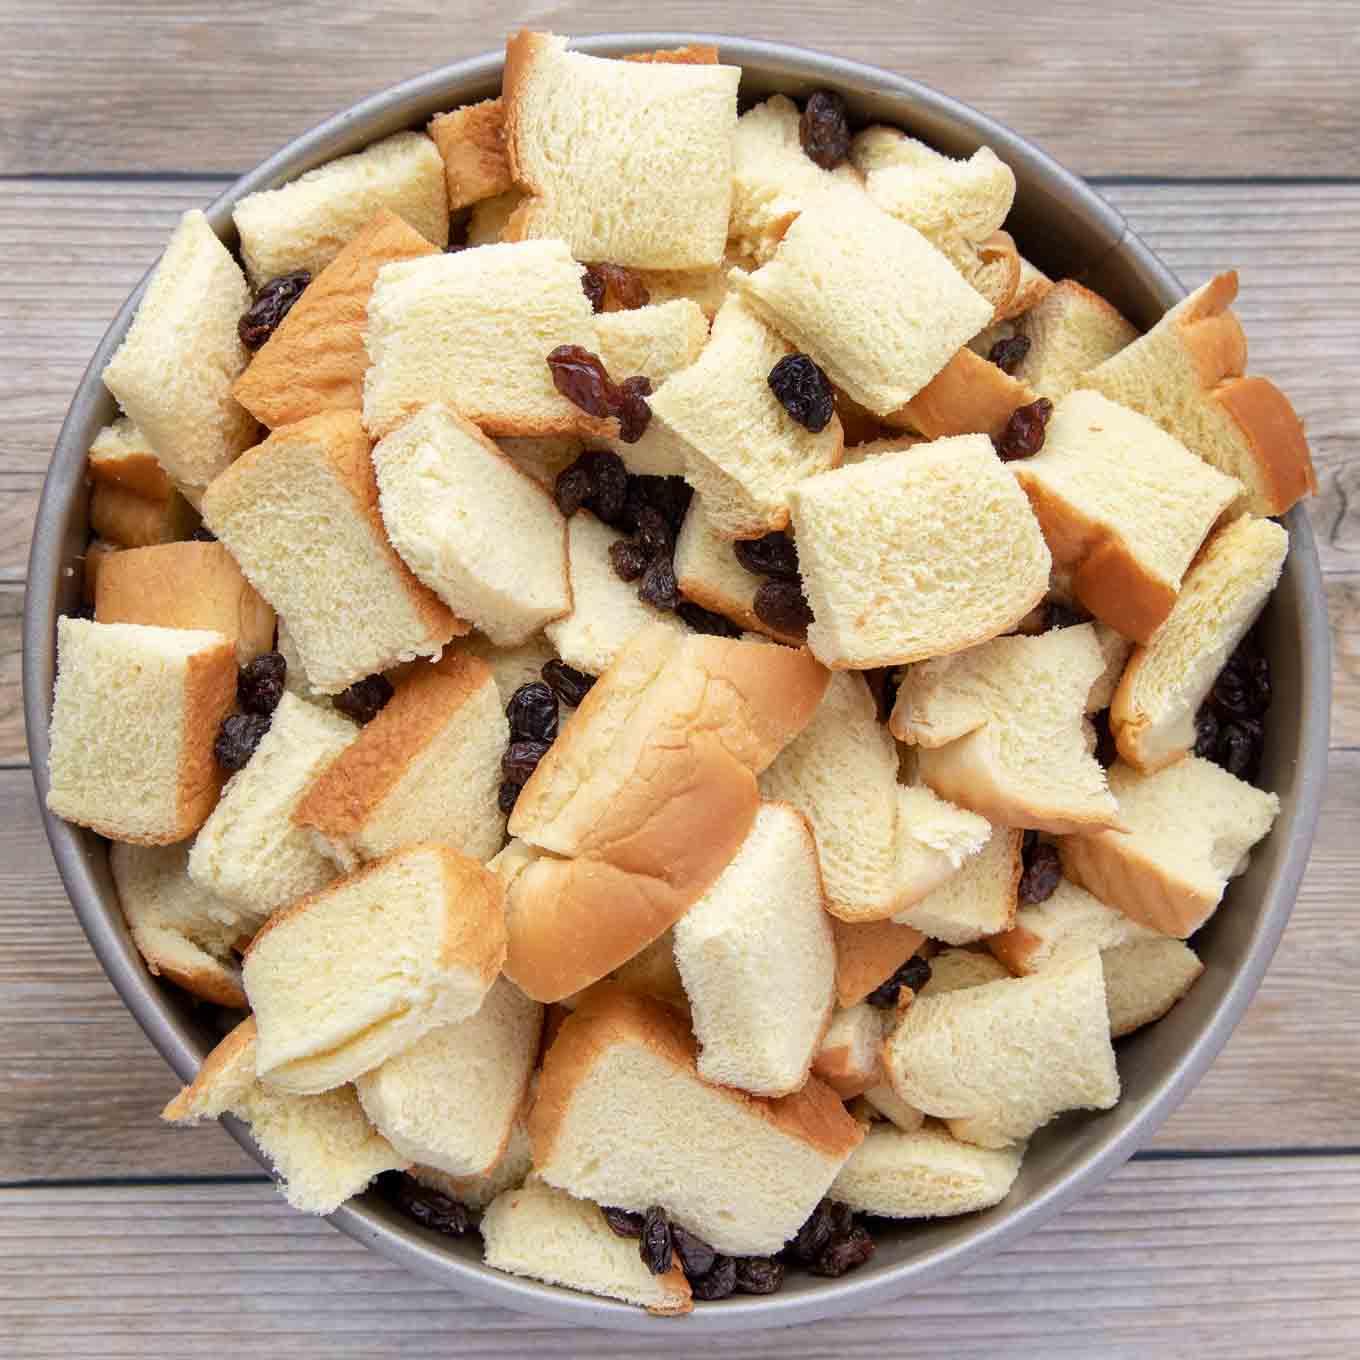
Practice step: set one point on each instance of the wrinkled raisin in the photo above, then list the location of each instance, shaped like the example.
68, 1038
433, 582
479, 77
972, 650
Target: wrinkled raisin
828, 1220
1206, 733
804, 391
365, 698
781, 605
670, 495
701, 620
629, 559
1041, 876
774, 555
203, 535
718, 1283
569, 684
913, 974
658, 587
594, 285
573, 488
654, 532
259, 683
1009, 353
632, 408
845, 1253
883, 687
1061, 616
1107, 750
622, 1222
580, 376
521, 760
272, 303
655, 1246
610, 486
696, 1256
1023, 436
1261, 688
532, 713
1232, 692
507, 796
759, 1275
431, 1209
616, 283
824, 129
237, 739
1239, 747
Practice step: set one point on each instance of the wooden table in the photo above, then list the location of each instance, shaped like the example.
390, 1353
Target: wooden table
1225, 140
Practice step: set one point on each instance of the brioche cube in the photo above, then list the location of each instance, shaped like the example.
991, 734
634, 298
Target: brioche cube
951, 970
135, 713
868, 297
322, 1146
1188, 829
848, 1057
1070, 332
122, 517
97, 552
478, 1191
1116, 651
307, 222
935, 840
759, 1027
543, 456
1152, 713
300, 514
474, 330
121, 455
969, 395
654, 972
976, 901
1034, 286
648, 186
357, 973
511, 667
315, 360
916, 553
998, 1061
487, 539
489, 218
427, 768
1144, 978
1186, 374
887, 1104
472, 142
450, 1100
706, 287
868, 953
744, 453
624, 1118
186, 585
544, 1234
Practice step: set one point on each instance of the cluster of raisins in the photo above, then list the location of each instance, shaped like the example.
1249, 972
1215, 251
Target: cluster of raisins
259, 687
1230, 724
913, 975
430, 1208
533, 717
831, 1242
582, 378
272, 303
779, 601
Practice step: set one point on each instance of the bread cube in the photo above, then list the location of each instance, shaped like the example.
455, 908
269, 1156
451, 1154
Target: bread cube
472, 142
935, 840
1070, 332
848, 1058
478, 1191
1144, 978
868, 953
124, 518
122, 456
969, 395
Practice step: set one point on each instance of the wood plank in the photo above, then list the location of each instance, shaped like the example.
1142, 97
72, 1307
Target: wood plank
1239, 1259
13, 748
80, 1087
1154, 91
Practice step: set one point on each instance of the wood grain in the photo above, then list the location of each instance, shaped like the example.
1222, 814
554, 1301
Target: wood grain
1241, 1260
13, 748
1151, 90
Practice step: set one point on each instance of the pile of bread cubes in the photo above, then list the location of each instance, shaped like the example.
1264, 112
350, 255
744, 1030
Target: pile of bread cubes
751, 938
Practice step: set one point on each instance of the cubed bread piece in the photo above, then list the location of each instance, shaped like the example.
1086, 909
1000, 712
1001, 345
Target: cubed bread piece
186, 585
315, 360
295, 675
543, 456
131, 521
484, 536
249, 853
969, 395
758, 961
545, 1234
474, 330
488, 220
606, 612
998, 1061
926, 1174
472, 142
887, 1104
953, 969
511, 667
357, 973
97, 552
306, 223
1034, 286
1069, 332
1116, 650
1153, 710
648, 186
841, 774
322, 1146
868, 297
743, 451
978, 900
478, 1191
1144, 978
300, 514
427, 768
135, 713
868, 953
848, 1059
707, 287
999, 729
916, 553
652, 972
121, 455
935, 840
450, 1099
1189, 828
1186, 374
623, 1118
1124, 507
174, 370
182, 932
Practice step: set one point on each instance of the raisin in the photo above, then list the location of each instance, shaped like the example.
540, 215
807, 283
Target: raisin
718, 1283
569, 684
507, 796
203, 535
237, 739
1028, 840
573, 488
259, 683
701, 620
272, 303
431, 1209
883, 687
658, 586
1009, 354
610, 490
654, 533
580, 376
628, 559
1261, 688
365, 698
670, 495
696, 1256
774, 555
521, 760
1232, 692
830, 1219
1107, 750
804, 391
617, 284
1206, 733
1023, 436
844, 1254
1041, 875
759, 1275
594, 285
781, 605
824, 129
913, 974
655, 1246
1061, 616
632, 409
622, 1222
1239, 747
532, 713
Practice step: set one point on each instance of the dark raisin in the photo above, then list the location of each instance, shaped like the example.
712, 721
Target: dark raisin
521, 760
1232, 692
1023, 436
1029, 838
759, 1275
458, 234
804, 391
1261, 688
573, 488
569, 684
913, 974
259, 683
824, 129
628, 559
702, 620
237, 739
532, 713
658, 586
272, 303
718, 1283
814, 1236
594, 285
365, 698
632, 408
1107, 750
845, 1253
1009, 353
507, 796
1206, 733
781, 605
1060, 616
203, 535
696, 1256
774, 555
670, 495
617, 284
883, 687
622, 1222
609, 494
431, 1209
1239, 748
655, 1246
1041, 875
654, 532
580, 376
